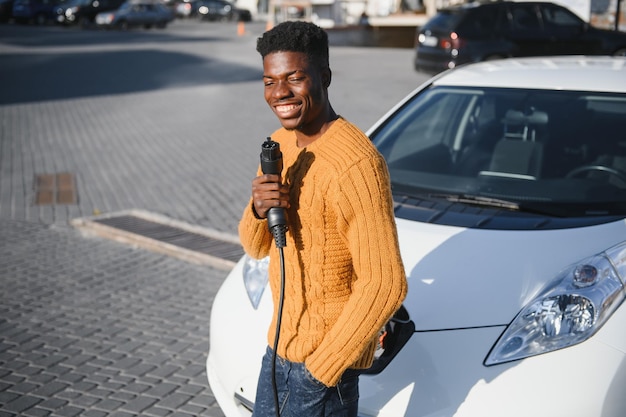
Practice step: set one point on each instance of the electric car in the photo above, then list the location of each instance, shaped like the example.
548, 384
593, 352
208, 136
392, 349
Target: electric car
509, 183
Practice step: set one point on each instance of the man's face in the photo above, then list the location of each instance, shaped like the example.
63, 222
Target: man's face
296, 91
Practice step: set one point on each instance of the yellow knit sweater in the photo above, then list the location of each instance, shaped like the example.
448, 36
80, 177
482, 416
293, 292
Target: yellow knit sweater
344, 274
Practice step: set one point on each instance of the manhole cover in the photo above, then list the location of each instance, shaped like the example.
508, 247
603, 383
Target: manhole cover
165, 235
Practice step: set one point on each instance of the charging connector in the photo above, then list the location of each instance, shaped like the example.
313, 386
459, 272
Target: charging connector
272, 163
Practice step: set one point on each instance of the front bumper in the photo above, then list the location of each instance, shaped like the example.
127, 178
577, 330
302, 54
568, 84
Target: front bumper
437, 373
440, 374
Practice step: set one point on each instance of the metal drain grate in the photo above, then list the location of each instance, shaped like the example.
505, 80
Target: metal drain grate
155, 232
53, 189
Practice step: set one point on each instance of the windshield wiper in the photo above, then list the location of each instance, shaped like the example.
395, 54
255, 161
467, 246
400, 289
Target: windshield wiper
462, 198
479, 201
525, 207
540, 208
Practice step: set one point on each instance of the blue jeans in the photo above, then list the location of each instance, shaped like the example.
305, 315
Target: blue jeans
301, 395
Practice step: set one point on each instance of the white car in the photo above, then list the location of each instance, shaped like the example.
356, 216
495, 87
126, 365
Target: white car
509, 181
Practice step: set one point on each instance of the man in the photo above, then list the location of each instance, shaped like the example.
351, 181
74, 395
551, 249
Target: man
344, 277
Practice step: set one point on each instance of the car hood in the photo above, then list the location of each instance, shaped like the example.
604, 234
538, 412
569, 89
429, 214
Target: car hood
464, 278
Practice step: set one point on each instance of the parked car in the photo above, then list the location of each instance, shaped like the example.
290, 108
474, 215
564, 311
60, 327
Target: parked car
133, 14
39, 12
476, 32
509, 183
213, 10
83, 12
6, 10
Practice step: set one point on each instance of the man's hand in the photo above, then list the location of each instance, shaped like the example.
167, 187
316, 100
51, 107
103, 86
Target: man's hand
268, 192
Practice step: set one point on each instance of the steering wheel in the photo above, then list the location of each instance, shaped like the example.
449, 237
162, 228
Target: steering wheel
601, 168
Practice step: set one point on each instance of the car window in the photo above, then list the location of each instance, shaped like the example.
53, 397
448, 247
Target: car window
481, 22
525, 17
561, 20
438, 120
553, 147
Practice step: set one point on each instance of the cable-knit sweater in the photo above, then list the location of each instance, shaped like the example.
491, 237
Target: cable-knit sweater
344, 275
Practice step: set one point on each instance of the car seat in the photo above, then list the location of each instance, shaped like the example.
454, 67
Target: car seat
519, 153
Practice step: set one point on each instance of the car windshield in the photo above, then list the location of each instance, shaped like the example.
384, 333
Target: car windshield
558, 152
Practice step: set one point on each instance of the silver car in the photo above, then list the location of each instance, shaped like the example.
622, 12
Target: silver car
136, 14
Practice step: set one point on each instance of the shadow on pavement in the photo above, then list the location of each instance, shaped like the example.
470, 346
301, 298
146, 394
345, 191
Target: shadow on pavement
92, 62
25, 36
43, 77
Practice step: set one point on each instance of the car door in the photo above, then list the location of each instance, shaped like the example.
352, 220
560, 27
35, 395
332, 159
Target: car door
142, 14
526, 30
151, 14
567, 32
20, 8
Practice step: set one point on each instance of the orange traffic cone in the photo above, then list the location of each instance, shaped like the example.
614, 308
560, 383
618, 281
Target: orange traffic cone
241, 28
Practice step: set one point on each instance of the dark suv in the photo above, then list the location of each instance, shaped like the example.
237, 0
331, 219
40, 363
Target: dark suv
482, 31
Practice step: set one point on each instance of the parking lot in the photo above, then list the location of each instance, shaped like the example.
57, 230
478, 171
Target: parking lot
164, 121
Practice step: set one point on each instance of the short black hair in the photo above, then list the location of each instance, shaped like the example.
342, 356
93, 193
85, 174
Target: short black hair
296, 36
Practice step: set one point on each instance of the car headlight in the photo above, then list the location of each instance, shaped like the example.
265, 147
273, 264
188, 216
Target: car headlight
71, 11
582, 299
255, 277
203, 10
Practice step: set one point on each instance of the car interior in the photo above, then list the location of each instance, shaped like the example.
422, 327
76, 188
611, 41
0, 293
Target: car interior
571, 142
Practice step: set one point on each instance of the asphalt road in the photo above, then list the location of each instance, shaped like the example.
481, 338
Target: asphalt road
166, 121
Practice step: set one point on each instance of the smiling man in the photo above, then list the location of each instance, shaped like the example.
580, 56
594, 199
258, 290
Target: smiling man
344, 277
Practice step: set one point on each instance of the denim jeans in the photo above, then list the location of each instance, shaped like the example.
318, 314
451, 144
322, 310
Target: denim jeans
301, 395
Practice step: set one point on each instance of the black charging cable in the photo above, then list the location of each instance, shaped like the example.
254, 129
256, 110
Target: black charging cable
272, 163
278, 322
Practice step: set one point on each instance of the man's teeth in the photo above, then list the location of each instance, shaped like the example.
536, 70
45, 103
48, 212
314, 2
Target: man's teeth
286, 108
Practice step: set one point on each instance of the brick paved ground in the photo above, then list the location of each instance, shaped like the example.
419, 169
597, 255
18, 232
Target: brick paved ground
122, 332
91, 327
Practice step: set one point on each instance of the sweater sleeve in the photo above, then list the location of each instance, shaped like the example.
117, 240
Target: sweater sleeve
254, 234
366, 220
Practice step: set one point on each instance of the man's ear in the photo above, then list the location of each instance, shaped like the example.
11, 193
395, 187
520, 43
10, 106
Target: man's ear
327, 76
